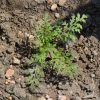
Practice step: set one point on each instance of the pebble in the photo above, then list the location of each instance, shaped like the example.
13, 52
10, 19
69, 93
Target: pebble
10, 50
63, 97
9, 73
40, 1
92, 75
54, 7
16, 61
78, 98
48, 97
3, 38
57, 15
41, 98
19, 92
62, 2
95, 53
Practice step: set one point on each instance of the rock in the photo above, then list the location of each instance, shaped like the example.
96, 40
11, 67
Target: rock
41, 89
62, 2
3, 38
10, 50
31, 37
92, 75
50, 99
10, 88
40, 1
95, 52
9, 81
57, 15
31, 97
63, 86
9, 73
41, 98
5, 94
16, 61
78, 98
54, 7
20, 34
63, 97
98, 72
19, 92
89, 96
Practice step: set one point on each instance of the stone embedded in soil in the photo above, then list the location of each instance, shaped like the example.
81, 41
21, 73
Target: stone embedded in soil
9, 73
16, 61
95, 53
64, 86
63, 97
62, 2
40, 1
19, 92
10, 50
31, 97
54, 7
41, 98
9, 88
57, 15
41, 89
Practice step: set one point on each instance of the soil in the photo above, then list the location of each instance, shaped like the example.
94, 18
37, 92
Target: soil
17, 21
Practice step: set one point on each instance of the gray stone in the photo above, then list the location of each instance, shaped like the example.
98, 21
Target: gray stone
31, 97
10, 50
41, 89
54, 7
9, 89
19, 92
16, 61
57, 15
41, 98
40, 1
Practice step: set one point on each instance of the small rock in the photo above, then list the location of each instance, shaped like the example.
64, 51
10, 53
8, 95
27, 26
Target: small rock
41, 98
62, 2
40, 1
31, 97
31, 37
9, 88
20, 34
57, 15
54, 7
3, 38
78, 98
9, 81
10, 50
95, 53
63, 97
50, 99
92, 75
19, 92
16, 61
41, 89
9, 73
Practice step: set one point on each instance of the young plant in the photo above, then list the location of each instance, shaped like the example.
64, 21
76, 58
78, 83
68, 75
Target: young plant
48, 54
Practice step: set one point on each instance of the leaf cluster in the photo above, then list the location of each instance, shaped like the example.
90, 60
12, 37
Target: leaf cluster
48, 54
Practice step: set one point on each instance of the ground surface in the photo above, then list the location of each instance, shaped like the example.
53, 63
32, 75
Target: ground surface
17, 19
